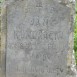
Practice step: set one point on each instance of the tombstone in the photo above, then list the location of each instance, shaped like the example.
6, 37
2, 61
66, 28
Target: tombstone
37, 38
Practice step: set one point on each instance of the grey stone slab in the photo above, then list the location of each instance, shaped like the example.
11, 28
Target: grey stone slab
37, 38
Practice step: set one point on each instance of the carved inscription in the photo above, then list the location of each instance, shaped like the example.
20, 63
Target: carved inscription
38, 35
36, 38
37, 30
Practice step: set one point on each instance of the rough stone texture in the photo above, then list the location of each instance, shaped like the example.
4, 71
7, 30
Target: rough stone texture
0, 40
38, 34
3, 43
72, 72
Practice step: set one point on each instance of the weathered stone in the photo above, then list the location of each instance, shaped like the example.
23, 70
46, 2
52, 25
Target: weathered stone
38, 34
3, 42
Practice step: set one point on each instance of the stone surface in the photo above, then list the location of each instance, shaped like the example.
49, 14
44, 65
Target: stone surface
37, 38
3, 42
